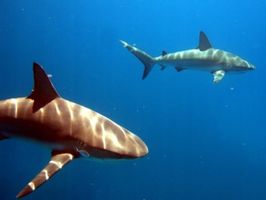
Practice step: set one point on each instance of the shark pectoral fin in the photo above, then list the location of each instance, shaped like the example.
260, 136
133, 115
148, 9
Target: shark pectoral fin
57, 162
218, 76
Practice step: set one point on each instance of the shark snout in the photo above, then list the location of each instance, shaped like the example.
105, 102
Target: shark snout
252, 67
245, 66
125, 44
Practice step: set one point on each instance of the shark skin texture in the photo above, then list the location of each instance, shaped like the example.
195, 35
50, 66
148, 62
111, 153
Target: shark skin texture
70, 130
204, 57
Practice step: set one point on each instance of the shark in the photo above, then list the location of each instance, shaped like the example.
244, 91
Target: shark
203, 57
70, 130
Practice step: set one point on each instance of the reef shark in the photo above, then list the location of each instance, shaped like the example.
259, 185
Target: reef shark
69, 129
204, 57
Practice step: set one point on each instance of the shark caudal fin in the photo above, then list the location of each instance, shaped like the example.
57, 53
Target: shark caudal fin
57, 162
147, 60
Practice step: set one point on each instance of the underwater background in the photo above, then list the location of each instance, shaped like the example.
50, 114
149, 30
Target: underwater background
206, 141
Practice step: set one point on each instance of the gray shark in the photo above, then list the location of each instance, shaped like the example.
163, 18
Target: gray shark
204, 57
69, 129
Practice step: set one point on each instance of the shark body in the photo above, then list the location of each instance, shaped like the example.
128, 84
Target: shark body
204, 57
69, 129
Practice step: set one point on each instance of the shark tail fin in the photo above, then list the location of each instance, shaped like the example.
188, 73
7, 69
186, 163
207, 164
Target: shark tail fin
147, 60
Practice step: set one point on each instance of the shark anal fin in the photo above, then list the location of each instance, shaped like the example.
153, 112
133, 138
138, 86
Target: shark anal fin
57, 162
204, 42
43, 91
218, 76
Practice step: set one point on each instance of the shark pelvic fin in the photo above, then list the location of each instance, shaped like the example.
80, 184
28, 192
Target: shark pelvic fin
204, 42
218, 76
43, 91
57, 162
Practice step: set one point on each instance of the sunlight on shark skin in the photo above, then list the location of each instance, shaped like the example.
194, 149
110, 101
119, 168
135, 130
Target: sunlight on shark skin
204, 57
69, 129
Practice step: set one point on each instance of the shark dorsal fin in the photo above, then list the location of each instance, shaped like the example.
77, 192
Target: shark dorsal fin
164, 53
43, 91
204, 42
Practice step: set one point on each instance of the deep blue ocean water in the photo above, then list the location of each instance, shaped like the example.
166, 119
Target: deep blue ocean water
206, 141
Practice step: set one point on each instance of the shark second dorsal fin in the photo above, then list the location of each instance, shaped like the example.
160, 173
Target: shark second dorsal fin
204, 42
164, 53
43, 91
57, 162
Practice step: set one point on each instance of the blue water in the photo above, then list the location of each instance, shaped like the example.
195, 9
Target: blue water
206, 141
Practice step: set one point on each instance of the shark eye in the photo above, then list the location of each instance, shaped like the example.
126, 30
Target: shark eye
80, 149
80, 143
